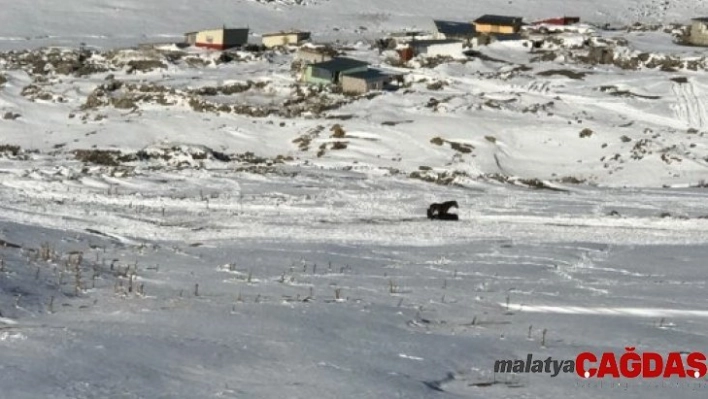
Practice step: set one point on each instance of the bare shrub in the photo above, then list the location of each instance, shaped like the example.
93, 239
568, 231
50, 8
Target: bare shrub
436, 85
563, 72
10, 116
461, 147
339, 145
437, 141
10, 149
46, 252
338, 131
145, 65
98, 157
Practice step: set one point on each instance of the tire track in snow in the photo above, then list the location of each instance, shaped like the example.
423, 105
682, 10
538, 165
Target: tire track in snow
609, 311
698, 104
693, 116
688, 107
679, 108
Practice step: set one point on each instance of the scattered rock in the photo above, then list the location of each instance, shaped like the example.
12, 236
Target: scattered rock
461, 147
338, 131
339, 145
124, 102
98, 157
9, 149
10, 116
563, 72
437, 140
586, 133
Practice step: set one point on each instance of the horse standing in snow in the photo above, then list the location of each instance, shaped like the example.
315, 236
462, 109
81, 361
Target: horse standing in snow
440, 211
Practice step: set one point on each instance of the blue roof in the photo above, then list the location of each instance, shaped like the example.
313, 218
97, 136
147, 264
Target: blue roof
339, 64
455, 28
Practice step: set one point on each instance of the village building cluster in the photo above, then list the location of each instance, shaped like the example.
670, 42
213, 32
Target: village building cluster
321, 65
325, 65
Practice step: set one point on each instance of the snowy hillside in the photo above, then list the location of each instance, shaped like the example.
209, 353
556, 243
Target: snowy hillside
186, 223
502, 114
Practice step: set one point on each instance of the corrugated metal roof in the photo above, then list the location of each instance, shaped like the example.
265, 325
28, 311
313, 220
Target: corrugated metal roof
498, 20
455, 28
340, 64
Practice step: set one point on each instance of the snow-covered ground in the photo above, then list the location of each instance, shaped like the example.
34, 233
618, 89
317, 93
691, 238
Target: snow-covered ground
175, 224
333, 284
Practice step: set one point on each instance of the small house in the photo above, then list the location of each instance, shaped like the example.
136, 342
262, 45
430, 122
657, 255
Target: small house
218, 39
435, 48
408, 35
558, 21
698, 32
366, 81
271, 40
454, 30
331, 71
497, 25
311, 54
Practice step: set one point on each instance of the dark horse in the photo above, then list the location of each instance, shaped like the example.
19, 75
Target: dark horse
440, 211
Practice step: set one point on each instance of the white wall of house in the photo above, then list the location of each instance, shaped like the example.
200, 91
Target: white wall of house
214, 36
358, 85
354, 85
442, 49
311, 56
218, 38
698, 33
280, 40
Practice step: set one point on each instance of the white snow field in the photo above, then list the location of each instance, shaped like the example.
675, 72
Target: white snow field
178, 223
